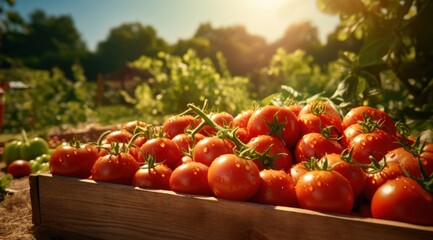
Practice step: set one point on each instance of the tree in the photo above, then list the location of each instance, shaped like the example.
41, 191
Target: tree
125, 43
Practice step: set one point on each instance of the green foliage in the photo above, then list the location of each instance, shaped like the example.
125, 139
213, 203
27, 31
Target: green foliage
298, 71
178, 81
392, 70
52, 99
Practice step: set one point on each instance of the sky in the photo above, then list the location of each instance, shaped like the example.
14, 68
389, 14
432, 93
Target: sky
179, 19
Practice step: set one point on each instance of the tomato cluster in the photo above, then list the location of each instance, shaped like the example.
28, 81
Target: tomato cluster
298, 156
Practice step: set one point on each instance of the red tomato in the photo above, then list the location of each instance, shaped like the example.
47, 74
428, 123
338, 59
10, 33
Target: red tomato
275, 121
391, 171
73, 161
376, 144
353, 173
157, 177
350, 133
297, 170
19, 168
132, 125
403, 199
208, 149
178, 124
190, 178
234, 178
117, 168
315, 123
243, 135
262, 143
326, 191
276, 188
122, 136
162, 150
185, 141
295, 108
315, 145
320, 108
222, 119
356, 115
409, 161
241, 120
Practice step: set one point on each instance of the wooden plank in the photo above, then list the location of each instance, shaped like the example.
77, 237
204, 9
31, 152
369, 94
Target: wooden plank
34, 197
110, 211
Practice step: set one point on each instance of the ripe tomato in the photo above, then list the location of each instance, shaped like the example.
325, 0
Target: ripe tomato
297, 170
208, 149
190, 178
132, 125
122, 136
262, 143
350, 133
156, 177
19, 168
75, 160
315, 123
326, 191
353, 173
275, 121
243, 135
391, 171
234, 178
376, 144
315, 145
178, 124
356, 115
320, 108
403, 199
295, 108
185, 142
276, 188
162, 150
241, 120
223, 119
117, 168
409, 161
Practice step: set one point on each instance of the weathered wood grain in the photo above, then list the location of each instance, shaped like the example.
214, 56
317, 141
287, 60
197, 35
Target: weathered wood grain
110, 211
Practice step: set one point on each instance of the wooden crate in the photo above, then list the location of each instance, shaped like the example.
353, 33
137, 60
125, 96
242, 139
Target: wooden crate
73, 207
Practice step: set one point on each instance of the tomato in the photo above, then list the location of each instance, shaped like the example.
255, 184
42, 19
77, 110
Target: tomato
297, 170
223, 119
276, 188
353, 173
234, 178
326, 191
409, 161
178, 124
185, 142
276, 147
162, 150
315, 145
295, 108
275, 121
122, 136
208, 149
74, 160
19, 168
241, 120
156, 177
117, 168
376, 144
350, 133
391, 171
190, 178
243, 135
403, 199
318, 107
131, 126
356, 115
315, 123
